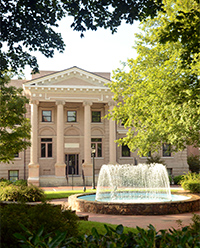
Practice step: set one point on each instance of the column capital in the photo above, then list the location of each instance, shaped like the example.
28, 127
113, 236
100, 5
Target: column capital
87, 103
34, 102
59, 102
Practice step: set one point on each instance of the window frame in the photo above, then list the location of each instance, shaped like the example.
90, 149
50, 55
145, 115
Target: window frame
95, 145
46, 116
72, 116
9, 176
46, 145
99, 117
123, 156
166, 152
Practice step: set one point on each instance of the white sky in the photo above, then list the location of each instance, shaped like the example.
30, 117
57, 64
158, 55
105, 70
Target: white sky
97, 51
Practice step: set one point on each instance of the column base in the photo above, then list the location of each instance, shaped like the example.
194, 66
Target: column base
33, 174
34, 181
60, 170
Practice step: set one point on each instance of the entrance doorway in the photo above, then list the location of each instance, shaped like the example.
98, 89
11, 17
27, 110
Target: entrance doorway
72, 164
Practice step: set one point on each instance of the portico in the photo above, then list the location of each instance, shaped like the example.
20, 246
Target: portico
55, 100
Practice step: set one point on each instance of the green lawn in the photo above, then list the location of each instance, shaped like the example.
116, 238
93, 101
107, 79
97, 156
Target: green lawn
64, 194
85, 227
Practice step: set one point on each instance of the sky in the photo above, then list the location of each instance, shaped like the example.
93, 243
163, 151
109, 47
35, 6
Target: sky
97, 51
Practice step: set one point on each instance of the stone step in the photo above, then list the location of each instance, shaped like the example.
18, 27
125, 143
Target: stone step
83, 217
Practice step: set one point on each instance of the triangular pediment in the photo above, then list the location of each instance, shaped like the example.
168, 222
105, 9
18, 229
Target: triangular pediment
72, 77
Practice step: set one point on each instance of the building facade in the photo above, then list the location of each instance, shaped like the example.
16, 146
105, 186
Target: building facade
66, 111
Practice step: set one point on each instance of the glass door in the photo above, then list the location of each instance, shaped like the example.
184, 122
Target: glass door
72, 164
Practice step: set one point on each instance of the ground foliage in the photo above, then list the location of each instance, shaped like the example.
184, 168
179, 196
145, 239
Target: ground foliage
21, 193
194, 163
51, 218
188, 236
158, 98
191, 182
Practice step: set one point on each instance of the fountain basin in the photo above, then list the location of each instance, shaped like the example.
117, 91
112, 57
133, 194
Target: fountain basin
190, 204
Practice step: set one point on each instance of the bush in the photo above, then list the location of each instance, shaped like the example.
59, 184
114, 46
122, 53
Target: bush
191, 182
20, 182
4, 182
170, 179
194, 163
32, 217
188, 236
177, 179
156, 159
21, 193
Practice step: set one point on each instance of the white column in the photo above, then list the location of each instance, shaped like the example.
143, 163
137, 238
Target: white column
60, 164
34, 165
87, 133
112, 136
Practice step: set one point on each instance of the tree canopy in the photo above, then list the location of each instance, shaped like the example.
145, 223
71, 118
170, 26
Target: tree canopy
158, 99
14, 126
29, 25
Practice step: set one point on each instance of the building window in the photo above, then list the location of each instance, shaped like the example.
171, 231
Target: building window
166, 149
147, 155
71, 116
13, 175
125, 151
96, 116
46, 116
169, 171
46, 148
96, 143
16, 155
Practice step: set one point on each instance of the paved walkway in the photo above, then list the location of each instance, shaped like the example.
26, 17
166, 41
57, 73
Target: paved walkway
158, 221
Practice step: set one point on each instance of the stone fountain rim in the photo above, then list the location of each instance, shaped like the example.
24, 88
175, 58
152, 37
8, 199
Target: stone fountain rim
151, 208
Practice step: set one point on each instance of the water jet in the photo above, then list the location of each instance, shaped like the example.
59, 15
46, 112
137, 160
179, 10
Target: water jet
134, 190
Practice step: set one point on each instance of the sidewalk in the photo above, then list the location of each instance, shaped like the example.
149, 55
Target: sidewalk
158, 221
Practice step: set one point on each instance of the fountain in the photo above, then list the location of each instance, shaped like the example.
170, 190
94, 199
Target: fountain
129, 183
129, 189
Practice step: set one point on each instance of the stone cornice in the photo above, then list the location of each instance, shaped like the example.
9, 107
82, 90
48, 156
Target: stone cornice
66, 74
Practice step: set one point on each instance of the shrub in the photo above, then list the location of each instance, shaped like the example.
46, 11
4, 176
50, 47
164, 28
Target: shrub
21, 193
188, 236
32, 217
156, 159
177, 179
4, 182
194, 163
20, 182
191, 182
170, 179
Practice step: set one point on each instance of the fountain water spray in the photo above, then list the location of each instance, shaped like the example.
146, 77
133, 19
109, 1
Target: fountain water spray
130, 183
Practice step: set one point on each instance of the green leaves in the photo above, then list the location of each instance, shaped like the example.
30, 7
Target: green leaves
14, 126
38, 239
158, 99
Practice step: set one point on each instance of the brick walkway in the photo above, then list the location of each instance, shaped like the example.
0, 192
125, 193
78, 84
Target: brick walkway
158, 221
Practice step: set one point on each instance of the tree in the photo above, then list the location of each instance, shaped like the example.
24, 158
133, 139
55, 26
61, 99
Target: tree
28, 25
14, 126
184, 26
158, 99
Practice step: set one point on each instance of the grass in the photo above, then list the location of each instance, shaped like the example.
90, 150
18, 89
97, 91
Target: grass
64, 194
85, 227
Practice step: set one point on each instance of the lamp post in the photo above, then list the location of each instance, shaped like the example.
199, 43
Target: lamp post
93, 168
